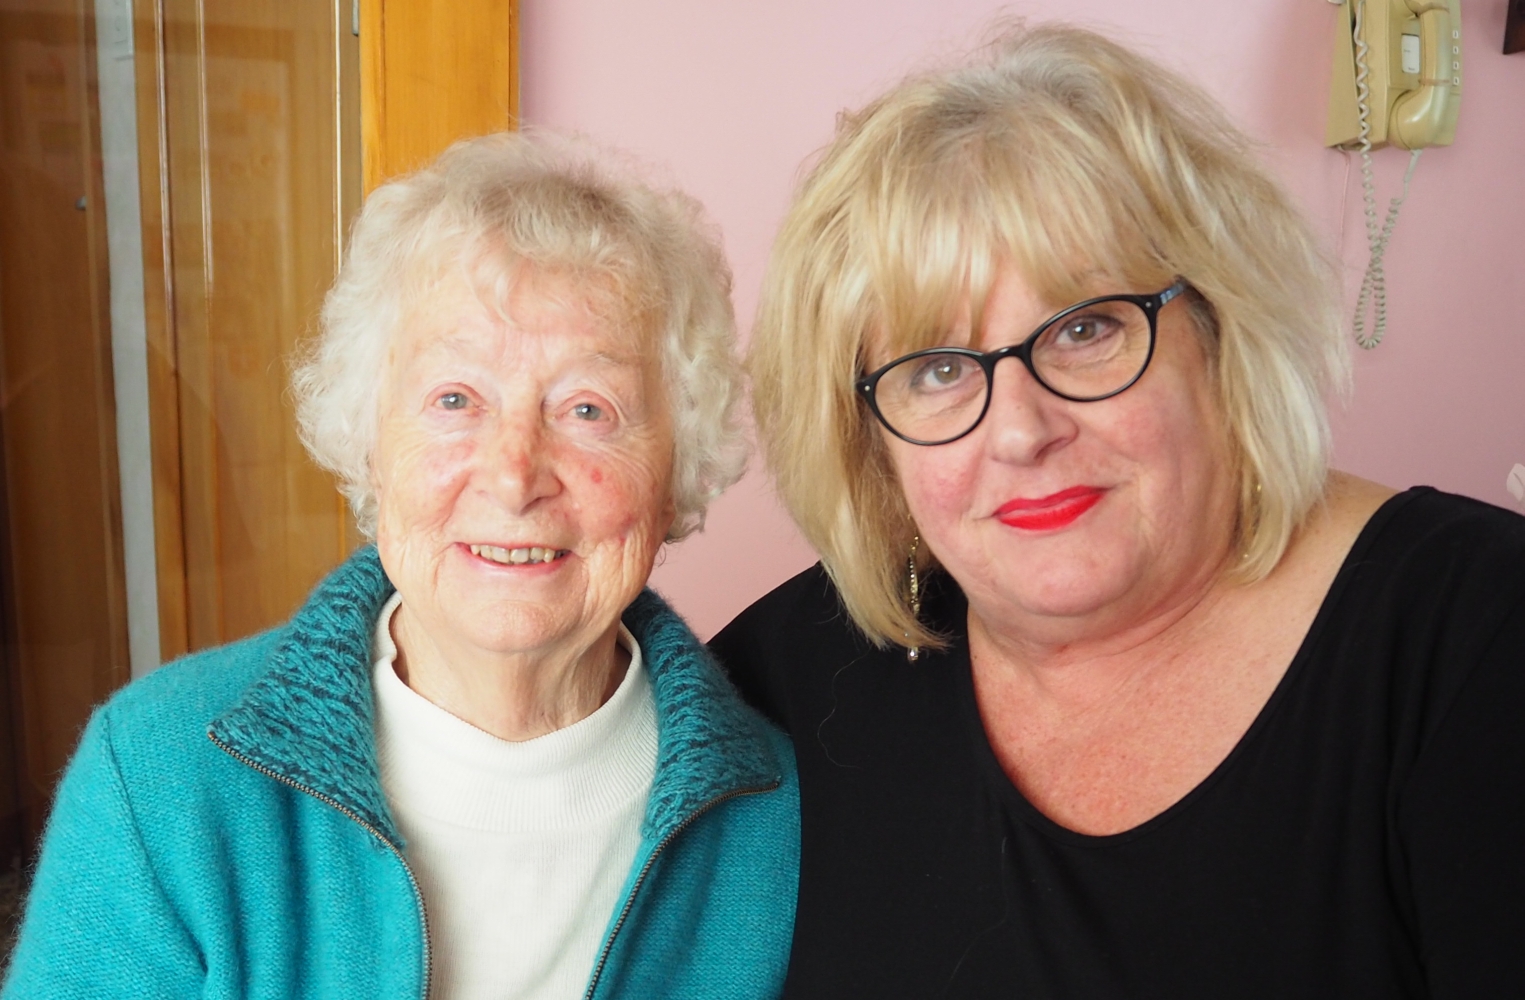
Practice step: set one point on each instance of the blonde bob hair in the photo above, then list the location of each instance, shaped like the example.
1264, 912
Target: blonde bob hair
1065, 155
489, 209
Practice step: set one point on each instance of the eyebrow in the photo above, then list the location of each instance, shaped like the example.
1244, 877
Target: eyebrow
604, 359
460, 344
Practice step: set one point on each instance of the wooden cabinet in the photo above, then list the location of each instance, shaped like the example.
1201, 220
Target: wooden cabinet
251, 167
62, 595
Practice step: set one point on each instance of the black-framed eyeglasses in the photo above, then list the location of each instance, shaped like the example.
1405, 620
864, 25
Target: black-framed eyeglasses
1091, 351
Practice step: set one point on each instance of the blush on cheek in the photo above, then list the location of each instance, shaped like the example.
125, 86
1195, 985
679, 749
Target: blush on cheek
439, 464
937, 490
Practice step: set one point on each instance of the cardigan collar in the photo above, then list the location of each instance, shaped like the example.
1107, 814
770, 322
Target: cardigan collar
308, 719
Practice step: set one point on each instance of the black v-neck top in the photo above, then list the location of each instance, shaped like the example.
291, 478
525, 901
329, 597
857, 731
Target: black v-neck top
1365, 838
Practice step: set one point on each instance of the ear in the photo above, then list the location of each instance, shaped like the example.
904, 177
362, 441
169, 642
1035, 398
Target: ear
669, 518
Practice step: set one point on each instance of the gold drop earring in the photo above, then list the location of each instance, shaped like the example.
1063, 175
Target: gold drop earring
1256, 502
913, 653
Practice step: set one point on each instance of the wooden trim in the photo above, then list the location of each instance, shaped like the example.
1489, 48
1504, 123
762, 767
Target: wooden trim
349, 181
158, 303
118, 668
432, 73
186, 212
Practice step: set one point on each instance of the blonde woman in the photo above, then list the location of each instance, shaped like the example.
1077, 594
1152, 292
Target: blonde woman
1106, 686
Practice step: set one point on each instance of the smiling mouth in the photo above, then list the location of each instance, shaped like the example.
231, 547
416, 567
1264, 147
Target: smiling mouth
520, 556
1051, 512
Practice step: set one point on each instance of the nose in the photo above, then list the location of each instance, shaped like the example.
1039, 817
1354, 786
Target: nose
518, 469
1025, 422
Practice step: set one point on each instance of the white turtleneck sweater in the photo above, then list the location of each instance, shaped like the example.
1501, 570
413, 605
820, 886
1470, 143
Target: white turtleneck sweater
520, 849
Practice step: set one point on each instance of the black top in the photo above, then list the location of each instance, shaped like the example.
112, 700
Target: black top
1365, 838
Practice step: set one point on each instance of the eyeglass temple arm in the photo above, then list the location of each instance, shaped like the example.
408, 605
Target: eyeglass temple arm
1179, 288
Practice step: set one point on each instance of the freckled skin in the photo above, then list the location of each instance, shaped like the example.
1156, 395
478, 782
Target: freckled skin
550, 429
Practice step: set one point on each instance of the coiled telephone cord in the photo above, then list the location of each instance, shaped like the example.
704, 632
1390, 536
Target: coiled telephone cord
1374, 281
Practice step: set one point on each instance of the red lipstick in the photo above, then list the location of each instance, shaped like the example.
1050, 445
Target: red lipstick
1050, 513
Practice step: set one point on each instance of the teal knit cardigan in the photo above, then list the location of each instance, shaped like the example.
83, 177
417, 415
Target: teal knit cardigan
222, 832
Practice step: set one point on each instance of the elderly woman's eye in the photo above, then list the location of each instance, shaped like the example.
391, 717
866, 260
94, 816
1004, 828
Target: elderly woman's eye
587, 411
453, 401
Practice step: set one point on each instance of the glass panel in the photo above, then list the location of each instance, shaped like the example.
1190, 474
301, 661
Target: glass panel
262, 177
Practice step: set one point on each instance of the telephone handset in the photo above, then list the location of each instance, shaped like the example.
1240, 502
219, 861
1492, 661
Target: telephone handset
1413, 74
1396, 81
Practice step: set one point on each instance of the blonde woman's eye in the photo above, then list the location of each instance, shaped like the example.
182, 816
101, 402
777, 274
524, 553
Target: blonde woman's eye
938, 372
1083, 331
587, 411
453, 401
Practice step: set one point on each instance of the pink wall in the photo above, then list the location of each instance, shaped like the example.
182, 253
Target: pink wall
735, 95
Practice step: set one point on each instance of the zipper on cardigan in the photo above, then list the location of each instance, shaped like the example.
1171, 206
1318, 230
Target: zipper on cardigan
418, 895
640, 879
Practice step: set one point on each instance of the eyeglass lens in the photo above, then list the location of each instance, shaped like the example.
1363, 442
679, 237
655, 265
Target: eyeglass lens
1085, 354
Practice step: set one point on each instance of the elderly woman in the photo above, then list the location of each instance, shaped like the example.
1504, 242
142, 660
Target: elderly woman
518, 775
1105, 686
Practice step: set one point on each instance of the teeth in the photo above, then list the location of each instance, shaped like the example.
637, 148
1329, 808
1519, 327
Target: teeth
517, 557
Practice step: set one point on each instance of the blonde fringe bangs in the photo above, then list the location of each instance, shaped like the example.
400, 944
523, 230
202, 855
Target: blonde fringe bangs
1080, 164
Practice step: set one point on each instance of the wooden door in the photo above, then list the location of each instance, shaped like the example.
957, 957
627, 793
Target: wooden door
61, 573
250, 126
433, 73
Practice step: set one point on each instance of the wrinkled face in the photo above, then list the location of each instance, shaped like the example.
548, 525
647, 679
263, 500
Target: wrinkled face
1058, 509
522, 467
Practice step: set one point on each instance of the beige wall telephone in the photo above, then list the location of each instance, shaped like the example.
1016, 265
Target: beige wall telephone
1396, 81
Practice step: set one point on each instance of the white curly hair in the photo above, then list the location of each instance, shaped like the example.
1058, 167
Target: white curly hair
549, 203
